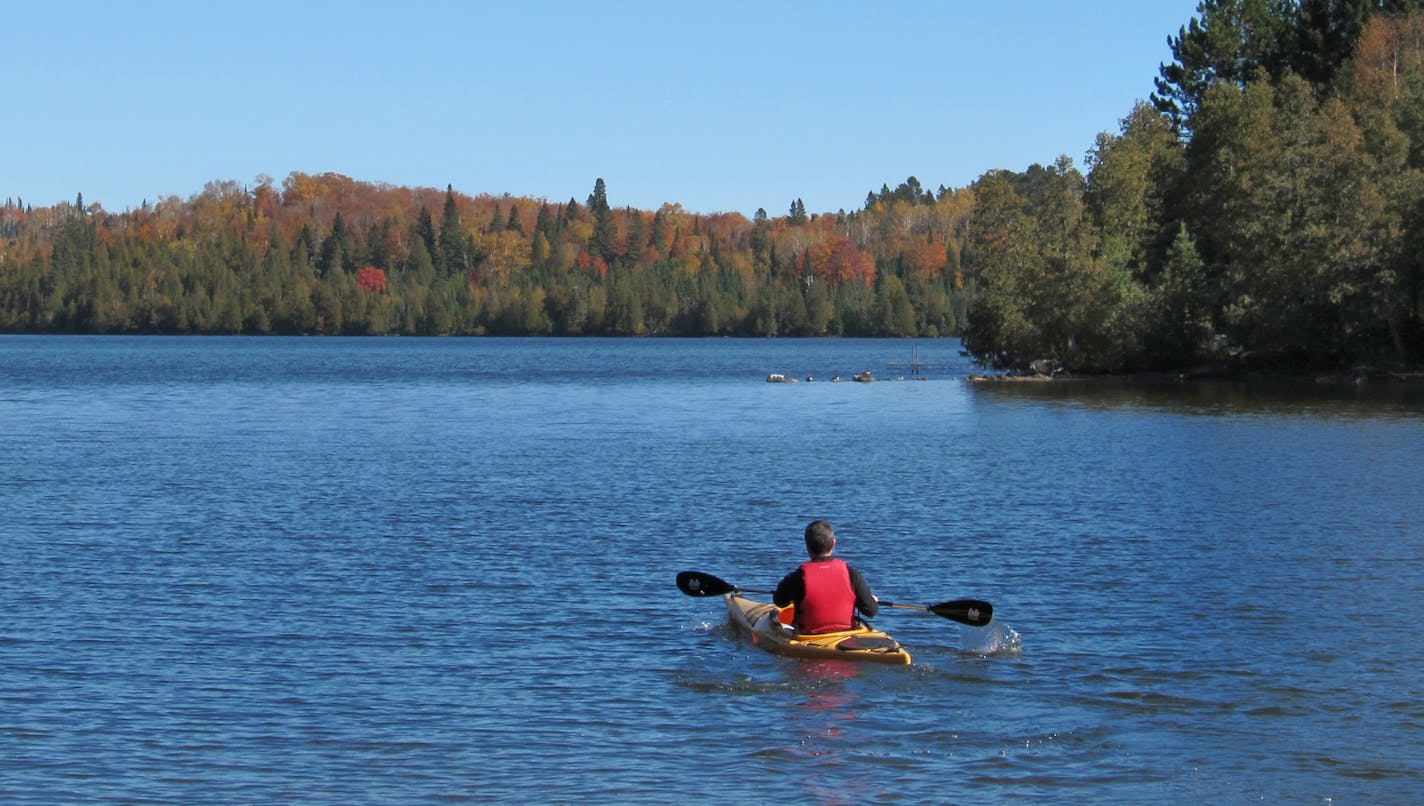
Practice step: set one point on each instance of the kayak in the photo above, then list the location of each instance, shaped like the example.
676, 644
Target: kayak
769, 628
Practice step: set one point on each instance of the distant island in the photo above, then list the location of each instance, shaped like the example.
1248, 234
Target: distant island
1260, 213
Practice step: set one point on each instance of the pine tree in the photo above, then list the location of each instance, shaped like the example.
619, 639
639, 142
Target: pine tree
333, 248
544, 222
605, 234
798, 213
1181, 320
452, 242
1229, 42
637, 238
425, 230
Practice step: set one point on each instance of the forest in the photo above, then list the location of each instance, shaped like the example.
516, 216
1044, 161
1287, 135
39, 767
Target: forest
331, 255
1262, 211
1264, 208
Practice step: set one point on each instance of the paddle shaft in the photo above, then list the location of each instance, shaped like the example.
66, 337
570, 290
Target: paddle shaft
921, 608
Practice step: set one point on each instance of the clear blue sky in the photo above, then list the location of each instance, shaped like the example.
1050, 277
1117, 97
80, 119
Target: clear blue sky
717, 106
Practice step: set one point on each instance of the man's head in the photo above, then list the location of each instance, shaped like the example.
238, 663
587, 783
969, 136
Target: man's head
820, 539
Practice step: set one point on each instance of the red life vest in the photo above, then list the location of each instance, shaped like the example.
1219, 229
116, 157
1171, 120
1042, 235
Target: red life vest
829, 604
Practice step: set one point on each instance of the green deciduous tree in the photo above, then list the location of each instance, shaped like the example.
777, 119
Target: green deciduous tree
1131, 176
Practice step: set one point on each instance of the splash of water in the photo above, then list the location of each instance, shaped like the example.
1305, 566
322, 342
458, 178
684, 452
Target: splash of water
996, 638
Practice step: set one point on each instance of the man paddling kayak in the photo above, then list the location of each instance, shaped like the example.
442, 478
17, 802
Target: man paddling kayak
827, 591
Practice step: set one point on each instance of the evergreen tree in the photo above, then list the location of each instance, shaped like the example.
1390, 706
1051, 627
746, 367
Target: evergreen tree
425, 231
895, 316
820, 311
603, 243
761, 243
377, 236
1229, 41
332, 256
637, 237
658, 237
452, 240
544, 222
797, 217
1326, 33
1182, 327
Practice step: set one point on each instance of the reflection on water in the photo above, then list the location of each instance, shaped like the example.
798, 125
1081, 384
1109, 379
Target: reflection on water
1283, 398
823, 727
828, 710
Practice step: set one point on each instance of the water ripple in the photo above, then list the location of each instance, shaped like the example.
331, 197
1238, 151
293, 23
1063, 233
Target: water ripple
345, 571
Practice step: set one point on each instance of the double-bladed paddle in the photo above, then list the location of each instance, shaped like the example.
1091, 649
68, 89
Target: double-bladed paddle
974, 612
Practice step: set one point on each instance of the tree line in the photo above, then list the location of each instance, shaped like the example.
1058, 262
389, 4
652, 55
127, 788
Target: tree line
1263, 210
1263, 207
326, 254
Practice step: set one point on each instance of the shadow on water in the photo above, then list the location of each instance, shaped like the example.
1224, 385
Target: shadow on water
1274, 398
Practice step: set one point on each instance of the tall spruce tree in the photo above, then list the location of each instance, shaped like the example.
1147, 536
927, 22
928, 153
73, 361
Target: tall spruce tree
603, 243
452, 240
797, 215
425, 230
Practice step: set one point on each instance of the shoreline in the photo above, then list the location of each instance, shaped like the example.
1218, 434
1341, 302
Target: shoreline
1361, 376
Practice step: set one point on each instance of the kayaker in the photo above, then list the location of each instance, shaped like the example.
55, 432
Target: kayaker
827, 591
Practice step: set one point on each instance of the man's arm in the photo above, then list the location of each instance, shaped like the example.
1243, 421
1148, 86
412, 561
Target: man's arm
864, 600
791, 589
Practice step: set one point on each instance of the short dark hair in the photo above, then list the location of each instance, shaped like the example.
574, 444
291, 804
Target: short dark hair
820, 538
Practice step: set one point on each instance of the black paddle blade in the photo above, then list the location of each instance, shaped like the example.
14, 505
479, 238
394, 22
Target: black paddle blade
696, 583
974, 612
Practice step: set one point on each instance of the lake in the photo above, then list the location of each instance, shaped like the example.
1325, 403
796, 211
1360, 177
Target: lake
327, 570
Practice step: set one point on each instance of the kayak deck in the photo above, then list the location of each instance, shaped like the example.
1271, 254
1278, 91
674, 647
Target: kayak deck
762, 621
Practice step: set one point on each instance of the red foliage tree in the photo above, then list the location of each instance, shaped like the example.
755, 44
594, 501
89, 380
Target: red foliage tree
839, 260
371, 280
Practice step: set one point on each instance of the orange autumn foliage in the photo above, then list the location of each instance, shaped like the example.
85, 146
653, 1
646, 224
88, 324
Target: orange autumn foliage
839, 260
371, 280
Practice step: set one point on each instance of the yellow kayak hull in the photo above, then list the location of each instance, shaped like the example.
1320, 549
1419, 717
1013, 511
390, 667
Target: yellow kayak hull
761, 621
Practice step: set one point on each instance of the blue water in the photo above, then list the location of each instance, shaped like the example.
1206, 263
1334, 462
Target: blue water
404, 571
